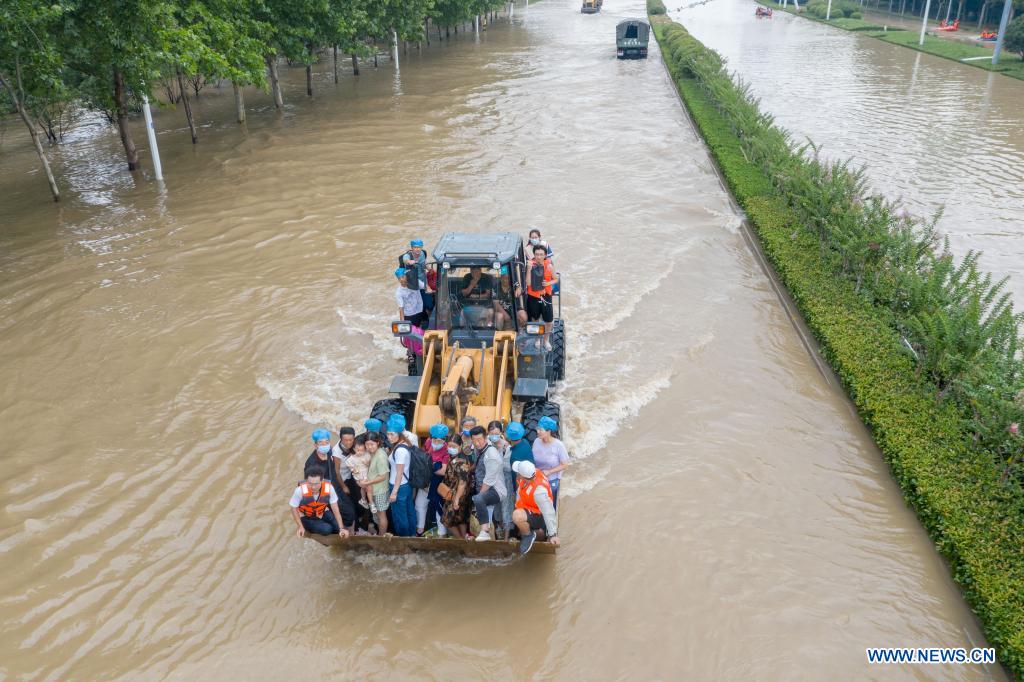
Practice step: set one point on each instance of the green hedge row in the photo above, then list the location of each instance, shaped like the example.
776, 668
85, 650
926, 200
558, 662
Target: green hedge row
656, 7
973, 517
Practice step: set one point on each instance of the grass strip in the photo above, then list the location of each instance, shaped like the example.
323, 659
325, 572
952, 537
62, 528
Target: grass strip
1010, 64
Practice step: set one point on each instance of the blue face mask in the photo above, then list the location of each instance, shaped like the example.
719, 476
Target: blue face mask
465, 432
323, 449
494, 438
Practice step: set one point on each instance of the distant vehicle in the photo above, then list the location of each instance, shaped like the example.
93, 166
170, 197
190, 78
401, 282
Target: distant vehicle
591, 7
631, 37
763, 12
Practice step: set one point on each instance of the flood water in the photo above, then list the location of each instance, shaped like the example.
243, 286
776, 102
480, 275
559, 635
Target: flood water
164, 354
929, 131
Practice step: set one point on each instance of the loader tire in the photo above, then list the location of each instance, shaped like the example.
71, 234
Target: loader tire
532, 413
555, 369
382, 409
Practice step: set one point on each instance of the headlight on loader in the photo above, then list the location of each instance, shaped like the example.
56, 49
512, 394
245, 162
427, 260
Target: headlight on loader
535, 329
401, 328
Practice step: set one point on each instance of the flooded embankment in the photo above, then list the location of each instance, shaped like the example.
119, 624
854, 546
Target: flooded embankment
165, 351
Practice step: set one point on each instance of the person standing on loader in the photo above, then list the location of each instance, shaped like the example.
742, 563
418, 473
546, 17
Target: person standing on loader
540, 277
410, 303
415, 260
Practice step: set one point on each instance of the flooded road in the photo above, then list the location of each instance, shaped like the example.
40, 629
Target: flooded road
165, 353
930, 131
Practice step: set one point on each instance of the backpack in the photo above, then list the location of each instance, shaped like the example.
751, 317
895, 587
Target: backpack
419, 467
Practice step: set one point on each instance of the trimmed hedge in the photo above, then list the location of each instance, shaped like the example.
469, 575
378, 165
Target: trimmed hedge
656, 7
974, 519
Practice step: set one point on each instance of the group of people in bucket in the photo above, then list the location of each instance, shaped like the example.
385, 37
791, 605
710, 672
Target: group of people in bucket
417, 283
383, 480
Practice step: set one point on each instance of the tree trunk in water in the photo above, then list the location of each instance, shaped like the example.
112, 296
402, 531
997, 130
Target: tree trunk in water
375, 56
32, 132
426, 30
335, 64
355, 64
239, 103
309, 72
275, 83
188, 108
121, 111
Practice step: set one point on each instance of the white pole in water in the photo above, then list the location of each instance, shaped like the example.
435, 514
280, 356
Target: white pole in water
511, 9
1002, 31
151, 133
828, 12
924, 20
394, 47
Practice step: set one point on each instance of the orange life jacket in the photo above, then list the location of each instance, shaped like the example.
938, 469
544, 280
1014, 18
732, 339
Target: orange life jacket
549, 275
527, 488
310, 505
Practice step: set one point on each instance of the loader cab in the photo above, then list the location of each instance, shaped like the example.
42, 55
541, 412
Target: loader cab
477, 276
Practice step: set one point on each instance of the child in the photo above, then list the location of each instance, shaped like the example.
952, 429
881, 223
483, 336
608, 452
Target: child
376, 485
359, 463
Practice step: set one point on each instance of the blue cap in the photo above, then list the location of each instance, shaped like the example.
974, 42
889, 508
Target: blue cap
438, 431
548, 424
321, 434
515, 431
396, 423
416, 242
373, 425
400, 272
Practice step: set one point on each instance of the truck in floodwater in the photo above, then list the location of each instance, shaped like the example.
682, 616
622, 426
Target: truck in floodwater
631, 37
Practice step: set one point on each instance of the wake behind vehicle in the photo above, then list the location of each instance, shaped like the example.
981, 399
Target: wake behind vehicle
631, 38
479, 358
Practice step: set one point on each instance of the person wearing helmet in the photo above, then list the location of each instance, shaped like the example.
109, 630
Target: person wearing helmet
535, 508
436, 448
549, 454
415, 260
519, 451
403, 511
410, 303
323, 457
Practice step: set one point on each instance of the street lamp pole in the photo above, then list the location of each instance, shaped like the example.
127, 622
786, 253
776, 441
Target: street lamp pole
924, 21
1002, 31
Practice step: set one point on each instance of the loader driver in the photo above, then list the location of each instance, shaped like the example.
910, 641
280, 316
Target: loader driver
476, 286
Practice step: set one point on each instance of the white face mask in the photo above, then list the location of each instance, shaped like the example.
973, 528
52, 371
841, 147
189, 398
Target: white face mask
438, 444
453, 451
535, 240
323, 449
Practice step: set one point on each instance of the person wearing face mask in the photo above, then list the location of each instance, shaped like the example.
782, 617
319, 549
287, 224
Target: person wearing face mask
342, 450
496, 437
321, 456
493, 492
436, 448
537, 240
454, 489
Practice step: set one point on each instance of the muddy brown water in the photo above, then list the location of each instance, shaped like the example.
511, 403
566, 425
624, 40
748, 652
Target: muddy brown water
164, 354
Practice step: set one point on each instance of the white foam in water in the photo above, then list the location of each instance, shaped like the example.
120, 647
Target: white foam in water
376, 327
589, 428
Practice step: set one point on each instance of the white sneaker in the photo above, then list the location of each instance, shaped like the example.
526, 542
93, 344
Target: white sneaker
484, 535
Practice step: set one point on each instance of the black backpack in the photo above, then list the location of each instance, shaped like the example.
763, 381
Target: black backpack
419, 467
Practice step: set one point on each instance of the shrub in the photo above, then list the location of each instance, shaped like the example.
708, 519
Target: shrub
655, 7
1014, 39
868, 279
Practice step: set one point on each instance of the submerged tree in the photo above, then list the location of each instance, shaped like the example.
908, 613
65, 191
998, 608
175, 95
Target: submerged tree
30, 65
